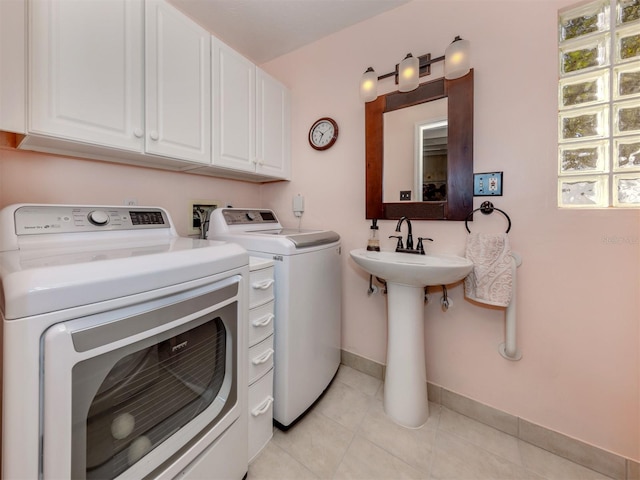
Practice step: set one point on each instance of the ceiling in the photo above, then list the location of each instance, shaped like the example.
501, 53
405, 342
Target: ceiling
262, 30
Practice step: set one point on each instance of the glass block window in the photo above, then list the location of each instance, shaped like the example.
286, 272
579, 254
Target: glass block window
599, 104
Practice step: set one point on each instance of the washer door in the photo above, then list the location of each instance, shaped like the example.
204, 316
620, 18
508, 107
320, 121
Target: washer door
145, 395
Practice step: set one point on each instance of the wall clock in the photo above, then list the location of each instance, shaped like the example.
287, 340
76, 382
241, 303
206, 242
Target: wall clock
323, 133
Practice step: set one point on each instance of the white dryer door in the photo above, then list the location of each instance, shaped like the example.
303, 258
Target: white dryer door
125, 392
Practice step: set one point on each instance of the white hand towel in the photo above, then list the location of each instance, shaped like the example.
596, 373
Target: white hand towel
491, 280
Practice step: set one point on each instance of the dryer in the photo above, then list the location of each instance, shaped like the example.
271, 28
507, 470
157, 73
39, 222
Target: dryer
307, 289
124, 350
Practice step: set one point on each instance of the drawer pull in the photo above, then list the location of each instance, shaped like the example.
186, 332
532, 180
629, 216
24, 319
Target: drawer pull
263, 358
263, 285
263, 407
264, 321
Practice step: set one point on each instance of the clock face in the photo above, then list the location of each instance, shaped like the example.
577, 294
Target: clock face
323, 134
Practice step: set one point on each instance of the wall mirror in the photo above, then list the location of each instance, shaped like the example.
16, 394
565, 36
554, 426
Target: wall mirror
437, 118
415, 143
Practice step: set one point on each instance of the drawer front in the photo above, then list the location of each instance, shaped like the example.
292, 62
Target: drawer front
261, 320
260, 287
260, 414
260, 359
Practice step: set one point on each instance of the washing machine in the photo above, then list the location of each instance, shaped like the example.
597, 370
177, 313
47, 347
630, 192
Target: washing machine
124, 349
307, 289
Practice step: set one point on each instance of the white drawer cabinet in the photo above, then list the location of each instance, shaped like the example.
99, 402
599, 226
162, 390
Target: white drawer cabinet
261, 321
261, 287
260, 359
261, 351
260, 414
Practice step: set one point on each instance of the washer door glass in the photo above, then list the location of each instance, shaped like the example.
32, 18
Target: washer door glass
145, 396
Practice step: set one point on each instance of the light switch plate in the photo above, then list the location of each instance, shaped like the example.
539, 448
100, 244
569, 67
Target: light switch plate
487, 184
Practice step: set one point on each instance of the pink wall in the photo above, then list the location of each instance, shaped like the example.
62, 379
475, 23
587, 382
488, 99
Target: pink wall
31, 177
578, 302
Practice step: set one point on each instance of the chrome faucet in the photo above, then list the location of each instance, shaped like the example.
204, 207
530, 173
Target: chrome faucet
409, 248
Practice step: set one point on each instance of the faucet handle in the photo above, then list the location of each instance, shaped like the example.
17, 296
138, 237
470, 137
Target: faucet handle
399, 245
419, 247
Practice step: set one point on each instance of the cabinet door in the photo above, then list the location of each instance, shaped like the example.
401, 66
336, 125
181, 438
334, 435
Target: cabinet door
85, 71
273, 124
233, 109
178, 85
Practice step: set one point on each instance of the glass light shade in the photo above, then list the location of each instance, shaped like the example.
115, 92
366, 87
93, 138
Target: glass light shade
369, 86
408, 73
456, 59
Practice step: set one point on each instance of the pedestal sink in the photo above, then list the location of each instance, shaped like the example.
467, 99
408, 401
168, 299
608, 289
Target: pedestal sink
405, 385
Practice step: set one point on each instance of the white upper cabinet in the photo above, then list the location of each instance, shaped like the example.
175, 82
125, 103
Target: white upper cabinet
86, 71
273, 126
178, 85
92, 81
138, 82
251, 116
234, 83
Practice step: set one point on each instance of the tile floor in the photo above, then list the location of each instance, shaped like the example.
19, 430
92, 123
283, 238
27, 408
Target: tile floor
347, 436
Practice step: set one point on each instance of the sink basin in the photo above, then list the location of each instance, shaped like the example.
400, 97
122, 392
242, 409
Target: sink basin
413, 270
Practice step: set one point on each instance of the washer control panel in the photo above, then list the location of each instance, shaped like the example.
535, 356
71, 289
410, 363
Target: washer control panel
238, 216
47, 219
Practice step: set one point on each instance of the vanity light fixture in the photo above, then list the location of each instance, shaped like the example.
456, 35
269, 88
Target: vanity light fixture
456, 59
369, 86
407, 74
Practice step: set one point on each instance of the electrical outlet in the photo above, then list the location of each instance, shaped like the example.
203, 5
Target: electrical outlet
405, 194
298, 205
487, 184
199, 215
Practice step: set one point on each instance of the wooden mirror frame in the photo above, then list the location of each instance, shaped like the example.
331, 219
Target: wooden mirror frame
459, 203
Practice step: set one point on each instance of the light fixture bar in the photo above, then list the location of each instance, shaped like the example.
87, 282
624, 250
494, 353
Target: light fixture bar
408, 72
425, 67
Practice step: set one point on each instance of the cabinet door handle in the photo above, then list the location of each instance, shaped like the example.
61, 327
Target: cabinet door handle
263, 358
263, 407
138, 133
154, 135
263, 285
264, 321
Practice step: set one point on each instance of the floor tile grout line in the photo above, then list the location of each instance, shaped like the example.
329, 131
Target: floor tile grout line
344, 454
519, 442
299, 462
360, 434
434, 450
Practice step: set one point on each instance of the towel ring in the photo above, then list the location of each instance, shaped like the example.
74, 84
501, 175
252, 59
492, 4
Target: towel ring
486, 208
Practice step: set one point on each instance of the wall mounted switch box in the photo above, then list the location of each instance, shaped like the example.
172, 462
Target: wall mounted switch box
487, 184
405, 195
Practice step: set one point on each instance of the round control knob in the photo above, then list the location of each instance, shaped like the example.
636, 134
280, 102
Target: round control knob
251, 216
98, 217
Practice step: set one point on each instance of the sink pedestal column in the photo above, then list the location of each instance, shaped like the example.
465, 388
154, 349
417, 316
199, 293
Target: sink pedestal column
405, 384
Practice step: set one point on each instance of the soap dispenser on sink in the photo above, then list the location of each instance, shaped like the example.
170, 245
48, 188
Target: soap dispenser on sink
373, 244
